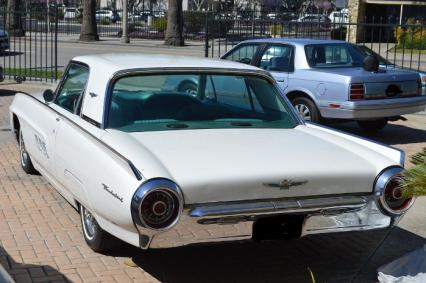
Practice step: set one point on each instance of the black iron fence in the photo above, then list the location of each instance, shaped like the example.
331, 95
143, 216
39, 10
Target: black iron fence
28, 49
28, 45
400, 44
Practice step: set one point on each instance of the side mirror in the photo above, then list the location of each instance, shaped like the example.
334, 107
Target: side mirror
48, 95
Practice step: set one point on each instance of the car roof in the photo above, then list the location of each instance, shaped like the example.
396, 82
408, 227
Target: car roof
294, 41
112, 63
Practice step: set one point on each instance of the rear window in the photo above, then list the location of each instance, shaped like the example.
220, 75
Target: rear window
334, 55
176, 101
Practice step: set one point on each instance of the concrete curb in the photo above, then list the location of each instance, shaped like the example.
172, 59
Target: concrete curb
4, 276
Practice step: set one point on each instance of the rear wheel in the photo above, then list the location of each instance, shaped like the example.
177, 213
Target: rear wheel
373, 125
306, 109
97, 239
25, 158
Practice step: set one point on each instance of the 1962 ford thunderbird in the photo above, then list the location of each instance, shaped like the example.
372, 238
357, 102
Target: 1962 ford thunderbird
150, 163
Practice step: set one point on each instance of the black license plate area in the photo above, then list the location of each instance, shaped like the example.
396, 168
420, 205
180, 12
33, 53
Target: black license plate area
278, 227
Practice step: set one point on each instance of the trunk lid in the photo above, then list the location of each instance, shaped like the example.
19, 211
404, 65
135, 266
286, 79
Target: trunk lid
246, 164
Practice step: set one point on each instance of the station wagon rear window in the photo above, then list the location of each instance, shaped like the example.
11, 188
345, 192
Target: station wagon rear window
333, 55
196, 101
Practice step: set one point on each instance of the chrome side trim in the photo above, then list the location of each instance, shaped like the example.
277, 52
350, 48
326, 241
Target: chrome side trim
278, 206
128, 163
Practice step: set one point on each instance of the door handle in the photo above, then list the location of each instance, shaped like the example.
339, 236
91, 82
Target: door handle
280, 80
58, 119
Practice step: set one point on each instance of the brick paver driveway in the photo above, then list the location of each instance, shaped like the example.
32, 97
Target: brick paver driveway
41, 241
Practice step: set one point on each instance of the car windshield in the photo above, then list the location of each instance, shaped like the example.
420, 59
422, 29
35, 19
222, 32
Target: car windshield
367, 51
196, 101
333, 55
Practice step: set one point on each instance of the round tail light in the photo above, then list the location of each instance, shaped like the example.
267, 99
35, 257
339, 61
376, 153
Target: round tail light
159, 209
157, 205
392, 198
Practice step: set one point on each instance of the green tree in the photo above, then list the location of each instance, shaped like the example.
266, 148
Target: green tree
89, 30
174, 31
14, 16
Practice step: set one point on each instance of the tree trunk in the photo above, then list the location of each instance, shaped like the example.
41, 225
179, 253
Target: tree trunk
174, 32
89, 31
14, 15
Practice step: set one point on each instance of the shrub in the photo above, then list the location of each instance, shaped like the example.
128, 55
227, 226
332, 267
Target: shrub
276, 30
412, 35
105, 21
159, 24
194, 21
339, 33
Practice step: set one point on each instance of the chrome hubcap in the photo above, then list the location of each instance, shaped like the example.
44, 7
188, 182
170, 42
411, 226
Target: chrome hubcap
89, 224
24, 154
303, 111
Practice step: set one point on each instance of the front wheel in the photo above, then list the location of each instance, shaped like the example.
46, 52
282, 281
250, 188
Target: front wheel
373, 125
306, 109
26, 163
96, 238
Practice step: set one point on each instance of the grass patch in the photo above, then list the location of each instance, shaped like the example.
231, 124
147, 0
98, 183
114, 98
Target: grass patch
34, 73
408, 50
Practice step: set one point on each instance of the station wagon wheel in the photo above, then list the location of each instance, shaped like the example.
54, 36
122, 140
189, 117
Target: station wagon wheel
25, 158
97, 239
306, 109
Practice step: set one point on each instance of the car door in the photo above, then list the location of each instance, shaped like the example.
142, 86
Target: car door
67, 104
278, 60
244, 53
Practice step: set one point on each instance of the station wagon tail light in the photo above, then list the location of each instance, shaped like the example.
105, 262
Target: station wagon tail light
357, 92
392, 199
419, 86
157, 205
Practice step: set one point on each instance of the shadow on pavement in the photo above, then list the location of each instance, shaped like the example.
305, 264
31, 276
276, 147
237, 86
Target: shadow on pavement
339, 257
7, 92
10, 53
391, 134
22, 272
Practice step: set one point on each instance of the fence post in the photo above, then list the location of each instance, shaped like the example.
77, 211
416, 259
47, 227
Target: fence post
206, 37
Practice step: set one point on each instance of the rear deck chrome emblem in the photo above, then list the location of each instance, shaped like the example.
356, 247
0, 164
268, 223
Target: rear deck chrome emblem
285, 184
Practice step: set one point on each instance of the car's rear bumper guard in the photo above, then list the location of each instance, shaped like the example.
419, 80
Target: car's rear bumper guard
234, 221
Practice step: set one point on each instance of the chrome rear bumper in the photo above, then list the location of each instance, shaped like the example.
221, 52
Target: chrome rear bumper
378, 108
234, 221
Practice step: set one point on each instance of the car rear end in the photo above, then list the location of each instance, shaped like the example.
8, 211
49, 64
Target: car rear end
385, 94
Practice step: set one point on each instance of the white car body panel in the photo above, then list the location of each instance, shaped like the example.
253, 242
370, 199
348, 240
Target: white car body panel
102, 169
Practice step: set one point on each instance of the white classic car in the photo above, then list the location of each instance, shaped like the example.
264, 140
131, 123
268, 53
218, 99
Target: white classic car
154, 165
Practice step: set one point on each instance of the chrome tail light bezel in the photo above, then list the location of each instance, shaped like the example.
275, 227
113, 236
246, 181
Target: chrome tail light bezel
149, 187
383, 180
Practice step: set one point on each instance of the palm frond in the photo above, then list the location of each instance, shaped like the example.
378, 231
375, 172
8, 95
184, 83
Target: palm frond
414, 179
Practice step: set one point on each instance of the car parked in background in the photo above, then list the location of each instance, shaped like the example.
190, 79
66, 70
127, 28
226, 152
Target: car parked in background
4, 40
107, 15
326, 79
71, 13
158, 167
339, 17
385, 63
310, 22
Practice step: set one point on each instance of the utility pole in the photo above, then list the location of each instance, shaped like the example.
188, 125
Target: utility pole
125, 22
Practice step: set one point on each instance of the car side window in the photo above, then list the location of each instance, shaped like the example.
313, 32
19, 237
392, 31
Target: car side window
277, 58
243, 54
70, 93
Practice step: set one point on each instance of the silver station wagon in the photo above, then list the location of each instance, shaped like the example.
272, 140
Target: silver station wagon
329, 79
